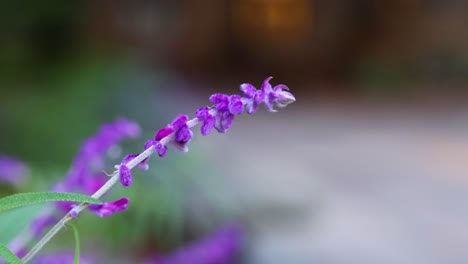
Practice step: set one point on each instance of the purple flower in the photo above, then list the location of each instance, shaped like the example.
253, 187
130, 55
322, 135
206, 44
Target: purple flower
183, 134
90, 158
235, 105
208, 120
221, 101
271, 97
224, 121
143, 165
162, 133
12, 171
125, 175
109, 208
218, 248
276, 96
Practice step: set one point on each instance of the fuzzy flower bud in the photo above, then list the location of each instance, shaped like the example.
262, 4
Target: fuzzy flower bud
125, 175
183, 134
208, 120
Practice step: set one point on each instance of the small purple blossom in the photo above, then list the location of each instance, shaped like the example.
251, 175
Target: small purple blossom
221, 101
236, 106
157, 146
109, 208
12, 170
183, 134
208, 120
125, 175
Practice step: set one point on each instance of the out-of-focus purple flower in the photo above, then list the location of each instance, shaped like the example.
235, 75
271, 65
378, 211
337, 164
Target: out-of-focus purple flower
40, 223
109, 208
62, 257
85, 174
221, 247
90, 158
208, 120
12, 170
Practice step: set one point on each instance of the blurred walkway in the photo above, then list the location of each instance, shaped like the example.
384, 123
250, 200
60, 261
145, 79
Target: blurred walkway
353, 185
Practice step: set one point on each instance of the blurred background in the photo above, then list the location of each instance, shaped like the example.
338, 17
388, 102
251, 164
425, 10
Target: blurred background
368, 166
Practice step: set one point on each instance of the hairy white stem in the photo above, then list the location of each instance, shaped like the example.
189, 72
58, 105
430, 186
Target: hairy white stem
98, 194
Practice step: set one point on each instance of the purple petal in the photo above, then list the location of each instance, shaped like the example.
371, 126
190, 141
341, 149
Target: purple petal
227, 120
125, 175
207, 125
224, 121
252, 106
109, 208
283, 98
160, 149
162, 133
235, 105
179, 122
280, 87
248, 90
221, 101
266, 86
184, 134
202, 113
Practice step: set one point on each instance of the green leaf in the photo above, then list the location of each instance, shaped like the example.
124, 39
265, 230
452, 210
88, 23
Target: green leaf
23, 199
9, 256
76, 260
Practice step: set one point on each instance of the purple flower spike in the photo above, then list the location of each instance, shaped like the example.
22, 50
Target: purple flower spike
125, 175
109, 208
221, 101
235, 105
